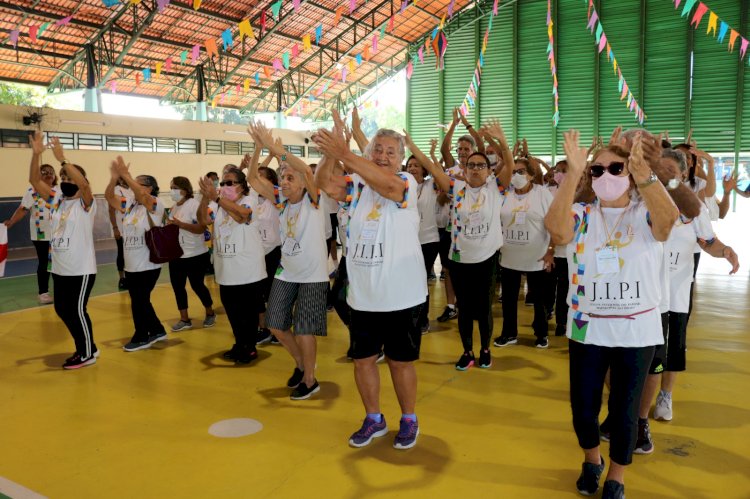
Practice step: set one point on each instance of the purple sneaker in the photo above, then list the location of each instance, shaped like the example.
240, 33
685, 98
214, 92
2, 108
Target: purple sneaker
370, 429
407, 434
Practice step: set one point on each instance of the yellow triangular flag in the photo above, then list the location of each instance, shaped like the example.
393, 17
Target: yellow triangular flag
246, 29
247, 85
158, 68
352, 67
712, 19
306, 42
442, 22
196, 4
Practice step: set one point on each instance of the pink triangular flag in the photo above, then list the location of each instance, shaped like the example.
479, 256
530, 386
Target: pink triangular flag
14, 37
195, 54
113, 86
168, 64
352, 6
409, 70
494, 8
699, 13
375, 43
295, 5
420, 53
64, 21
743, 48
295, 50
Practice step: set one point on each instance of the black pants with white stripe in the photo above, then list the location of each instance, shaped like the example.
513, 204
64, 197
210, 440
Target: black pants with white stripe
71, 297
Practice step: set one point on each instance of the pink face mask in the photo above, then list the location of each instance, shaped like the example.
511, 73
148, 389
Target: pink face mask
609, 187
229, 192
559, 177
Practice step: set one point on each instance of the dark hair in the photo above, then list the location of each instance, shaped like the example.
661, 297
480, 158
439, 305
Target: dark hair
477, 153
424, 170
45, 165
692, 164
184, 184
536, 173
270, 174
212, 175
151, 182
241, 179
80, 169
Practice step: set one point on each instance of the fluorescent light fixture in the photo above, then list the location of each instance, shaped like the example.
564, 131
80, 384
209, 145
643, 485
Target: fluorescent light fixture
235, 132
82, 122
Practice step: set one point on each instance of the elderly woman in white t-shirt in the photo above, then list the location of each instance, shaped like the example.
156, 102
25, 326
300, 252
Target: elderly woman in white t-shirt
72, 210
39, 227
526, 249
614, 320
238, 258
194, 260
140, 213
427, 194
300, 288
387, 278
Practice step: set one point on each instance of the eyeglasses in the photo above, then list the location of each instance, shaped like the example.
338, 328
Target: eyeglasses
476, 166
228, 183
47, 173
520, 171
615, 169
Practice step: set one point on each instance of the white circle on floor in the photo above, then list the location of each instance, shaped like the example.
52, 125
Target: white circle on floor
234, 428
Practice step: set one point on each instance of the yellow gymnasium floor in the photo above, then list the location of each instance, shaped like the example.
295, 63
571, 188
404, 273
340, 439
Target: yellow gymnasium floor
137, 424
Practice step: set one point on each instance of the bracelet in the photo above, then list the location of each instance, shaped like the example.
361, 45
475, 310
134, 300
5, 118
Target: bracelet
64, 162
283, 157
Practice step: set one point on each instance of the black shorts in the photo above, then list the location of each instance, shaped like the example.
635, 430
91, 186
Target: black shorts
396, 333
660, 354
334, 224
445, 247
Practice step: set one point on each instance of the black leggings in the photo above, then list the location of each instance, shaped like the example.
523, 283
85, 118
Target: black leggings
71, 297
430, 253
628, 369
557, 283
242, 303
474, 284
696, 260
511, 282
120, 255
192, 269
42, 256
145, 320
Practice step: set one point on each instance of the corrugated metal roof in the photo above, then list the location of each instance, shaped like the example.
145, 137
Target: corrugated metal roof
56, 59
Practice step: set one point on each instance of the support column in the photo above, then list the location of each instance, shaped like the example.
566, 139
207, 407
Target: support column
201, 111
91, 94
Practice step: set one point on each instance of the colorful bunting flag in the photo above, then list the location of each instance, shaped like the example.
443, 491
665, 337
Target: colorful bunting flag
339, 13
306, 44
226, 38
195, 54
246, 29
168, 64
64, 21
211, 47
295, 5
552, 64
14, 37
285, 60
318, 34
276, 10
196, 4
33, 32
159, 65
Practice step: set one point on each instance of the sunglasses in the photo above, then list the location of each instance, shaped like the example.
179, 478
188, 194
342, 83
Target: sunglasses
615, 169
228, 183
476, 166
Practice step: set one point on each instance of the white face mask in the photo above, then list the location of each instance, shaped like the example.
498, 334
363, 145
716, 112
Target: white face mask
519, 181
176, 195
493, 159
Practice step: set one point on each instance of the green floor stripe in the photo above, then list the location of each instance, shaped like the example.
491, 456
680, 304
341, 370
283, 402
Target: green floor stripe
19, 293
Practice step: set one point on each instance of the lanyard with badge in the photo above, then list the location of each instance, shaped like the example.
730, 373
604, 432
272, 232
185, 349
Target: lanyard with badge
520, 215
64, 214
291, 246
607, 257
475, 217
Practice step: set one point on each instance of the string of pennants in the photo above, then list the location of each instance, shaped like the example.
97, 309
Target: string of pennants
470, 98
552, 64
715, 24
602, 41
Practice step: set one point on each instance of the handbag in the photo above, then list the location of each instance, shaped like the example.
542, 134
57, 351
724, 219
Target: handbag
163, 242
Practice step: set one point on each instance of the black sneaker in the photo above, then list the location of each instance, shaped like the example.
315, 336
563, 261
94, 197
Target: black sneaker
448, 314
644, 444
245, 354
303, 391
613, 490
274, 340
560, 330
431, 276
503, 341
264, 336
76, 361
295, 379
542, 342
122, 284
465, 361
485, 359
588, 482
232, 352
549, 315
442, 275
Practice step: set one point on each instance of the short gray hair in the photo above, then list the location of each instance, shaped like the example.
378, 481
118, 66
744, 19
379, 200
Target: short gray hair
678, 156
387, 133
467, 138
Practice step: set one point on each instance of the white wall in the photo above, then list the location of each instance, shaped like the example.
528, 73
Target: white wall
15, 162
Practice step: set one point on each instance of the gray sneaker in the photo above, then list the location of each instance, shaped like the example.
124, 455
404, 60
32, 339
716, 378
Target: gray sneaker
182, 325
209, 321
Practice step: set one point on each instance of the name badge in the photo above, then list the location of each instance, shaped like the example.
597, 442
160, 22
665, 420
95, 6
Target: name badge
607, 260
290, 247
520, 218
370, 230
475, 218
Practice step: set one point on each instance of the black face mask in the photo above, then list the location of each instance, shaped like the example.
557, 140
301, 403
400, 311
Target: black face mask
69, 189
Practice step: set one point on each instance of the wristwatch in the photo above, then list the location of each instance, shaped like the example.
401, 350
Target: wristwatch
673, 184
650, 180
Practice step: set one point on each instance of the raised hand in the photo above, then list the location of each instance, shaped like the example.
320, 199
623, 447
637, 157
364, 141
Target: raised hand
616, 137
331, 143
121, 167
524, 148
37, 142
729, 182
495, 130
575, 155
433, 145
638, 166
207, 188
456, 116
57, 149
245, 164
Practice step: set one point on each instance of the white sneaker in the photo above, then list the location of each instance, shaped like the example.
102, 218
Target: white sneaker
663, 409
45, 299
